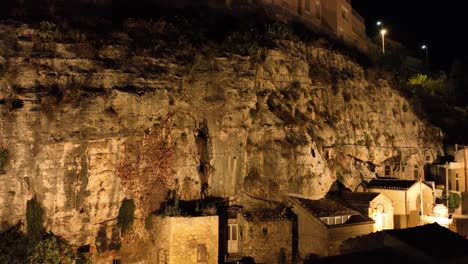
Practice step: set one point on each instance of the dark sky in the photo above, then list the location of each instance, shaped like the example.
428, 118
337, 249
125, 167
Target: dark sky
442, 25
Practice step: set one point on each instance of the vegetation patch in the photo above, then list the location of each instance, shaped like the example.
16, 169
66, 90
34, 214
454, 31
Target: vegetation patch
17, 247
454, 201
126, 215
48, 31
3, 159
145, 169
34, 219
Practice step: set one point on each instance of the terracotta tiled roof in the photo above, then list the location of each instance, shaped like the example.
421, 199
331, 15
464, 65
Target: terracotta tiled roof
394, 184
422, 243
359, 197
325, 207
267, 214
448, 243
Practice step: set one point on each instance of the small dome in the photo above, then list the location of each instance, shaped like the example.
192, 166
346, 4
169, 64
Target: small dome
440, 210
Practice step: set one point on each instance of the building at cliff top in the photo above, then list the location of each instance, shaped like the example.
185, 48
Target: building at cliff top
336, 18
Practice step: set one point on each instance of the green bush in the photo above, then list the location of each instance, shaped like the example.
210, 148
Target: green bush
173, 209
46, 251
454, 201
149, 222
17, 247
34, 219
47, 31
126, 215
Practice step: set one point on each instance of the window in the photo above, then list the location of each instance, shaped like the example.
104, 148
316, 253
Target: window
346, 218
234, 232
457, 183
345, 13
116, 261
338, 220
307, 5
318, 9
202, 253
387, 170
313, 153
416, 172
265, 231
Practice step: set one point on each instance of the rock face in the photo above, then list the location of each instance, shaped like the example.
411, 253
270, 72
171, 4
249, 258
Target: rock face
294, 121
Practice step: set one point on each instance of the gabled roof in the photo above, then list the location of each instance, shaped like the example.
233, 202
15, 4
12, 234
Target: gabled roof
392, 184
324, 207
431, 241
266, 214
359, 197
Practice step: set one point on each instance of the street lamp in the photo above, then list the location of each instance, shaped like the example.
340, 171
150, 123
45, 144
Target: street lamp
380, 24
426, 48
383, 32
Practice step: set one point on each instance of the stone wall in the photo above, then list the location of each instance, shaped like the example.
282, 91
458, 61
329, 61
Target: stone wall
171, 240
267, 241
193, 240
267, 122
338, 234
313, 236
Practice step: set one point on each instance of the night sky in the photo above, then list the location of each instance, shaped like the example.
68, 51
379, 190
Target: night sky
442, 25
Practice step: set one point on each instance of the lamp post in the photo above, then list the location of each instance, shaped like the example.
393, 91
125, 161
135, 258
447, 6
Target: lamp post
380, 24
383, 32
426, 49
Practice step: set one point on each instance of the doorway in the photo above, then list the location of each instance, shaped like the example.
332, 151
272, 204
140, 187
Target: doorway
233, 238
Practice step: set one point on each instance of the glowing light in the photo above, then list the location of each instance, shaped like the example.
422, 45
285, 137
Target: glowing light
383, 32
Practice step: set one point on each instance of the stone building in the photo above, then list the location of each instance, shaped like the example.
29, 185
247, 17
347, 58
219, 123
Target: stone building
457, 171
406, 196
336, 18
376, 206
263, 234
168, 240
323, 224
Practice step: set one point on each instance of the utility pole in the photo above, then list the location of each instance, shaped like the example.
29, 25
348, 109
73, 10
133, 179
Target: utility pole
421, 201
447, 182
465, 149
383, 32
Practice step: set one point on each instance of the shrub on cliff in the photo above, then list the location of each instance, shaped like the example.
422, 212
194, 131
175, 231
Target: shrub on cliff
34, 219
17, 247
50, 250
47, 31
126, 215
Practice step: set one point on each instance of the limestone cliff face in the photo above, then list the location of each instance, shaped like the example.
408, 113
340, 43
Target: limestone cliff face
293, 121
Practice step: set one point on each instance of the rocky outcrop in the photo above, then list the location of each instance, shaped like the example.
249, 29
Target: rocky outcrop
291, 121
